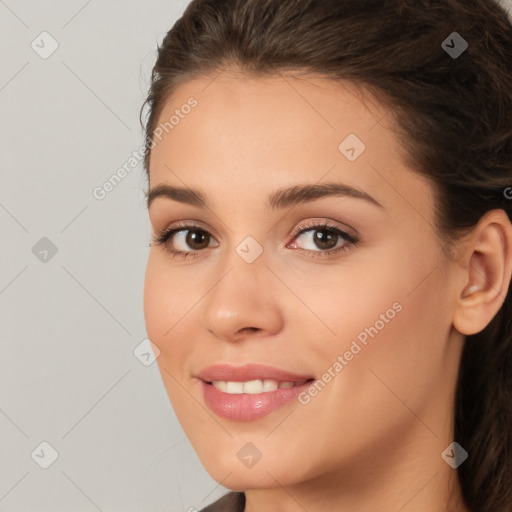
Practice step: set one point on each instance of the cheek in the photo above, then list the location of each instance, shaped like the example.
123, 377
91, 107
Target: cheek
166, 303
164, 298
390, 324
165, 295
368, 403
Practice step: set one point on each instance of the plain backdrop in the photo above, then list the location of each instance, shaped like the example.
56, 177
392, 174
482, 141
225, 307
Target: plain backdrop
74, 396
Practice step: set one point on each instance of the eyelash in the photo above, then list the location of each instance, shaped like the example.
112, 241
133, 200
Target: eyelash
163, 237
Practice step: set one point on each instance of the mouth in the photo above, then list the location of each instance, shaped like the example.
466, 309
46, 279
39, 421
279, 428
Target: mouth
250, 392
250, 373
254, 387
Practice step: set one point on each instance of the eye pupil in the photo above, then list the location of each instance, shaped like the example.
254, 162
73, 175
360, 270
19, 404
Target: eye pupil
197, 236
323, 239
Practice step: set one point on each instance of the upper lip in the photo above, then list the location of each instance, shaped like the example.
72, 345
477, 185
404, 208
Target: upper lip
226, 372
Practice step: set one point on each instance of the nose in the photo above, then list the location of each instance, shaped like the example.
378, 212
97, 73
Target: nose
243, 302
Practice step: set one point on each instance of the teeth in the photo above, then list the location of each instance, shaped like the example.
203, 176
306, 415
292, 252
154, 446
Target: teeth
270, 385
220, 385
234, 388
252, 387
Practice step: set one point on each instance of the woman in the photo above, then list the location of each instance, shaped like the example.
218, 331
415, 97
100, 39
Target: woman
328, 283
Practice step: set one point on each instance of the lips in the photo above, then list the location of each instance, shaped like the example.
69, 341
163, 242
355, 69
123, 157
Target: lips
224, 372
250, 392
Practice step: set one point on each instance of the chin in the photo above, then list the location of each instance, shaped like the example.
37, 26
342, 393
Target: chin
264, 474
248, 479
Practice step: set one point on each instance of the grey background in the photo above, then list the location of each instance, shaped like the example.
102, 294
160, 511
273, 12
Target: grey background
70, 323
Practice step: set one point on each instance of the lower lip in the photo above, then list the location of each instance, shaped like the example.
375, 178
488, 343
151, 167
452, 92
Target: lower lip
246, 407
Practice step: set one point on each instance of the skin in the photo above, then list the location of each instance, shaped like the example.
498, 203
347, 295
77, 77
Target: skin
372, 438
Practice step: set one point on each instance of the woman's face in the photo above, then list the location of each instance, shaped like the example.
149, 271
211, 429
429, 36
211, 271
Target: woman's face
350, 289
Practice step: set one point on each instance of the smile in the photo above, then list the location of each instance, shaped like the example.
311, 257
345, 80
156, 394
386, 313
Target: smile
250, 392
254, 387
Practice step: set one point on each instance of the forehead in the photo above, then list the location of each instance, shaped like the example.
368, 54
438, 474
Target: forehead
245, 118
266, 105
259, 133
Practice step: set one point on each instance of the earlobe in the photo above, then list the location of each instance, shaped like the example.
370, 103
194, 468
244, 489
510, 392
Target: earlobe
486, 274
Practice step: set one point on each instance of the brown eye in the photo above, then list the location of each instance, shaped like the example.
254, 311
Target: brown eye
322, 238
196, 239
184, 240
325, 238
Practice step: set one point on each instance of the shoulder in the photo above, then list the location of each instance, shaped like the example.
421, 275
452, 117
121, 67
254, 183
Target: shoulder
231, 502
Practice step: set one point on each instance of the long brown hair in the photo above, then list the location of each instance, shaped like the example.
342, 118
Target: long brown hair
455, 117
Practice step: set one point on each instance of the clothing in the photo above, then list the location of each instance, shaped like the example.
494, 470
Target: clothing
231, 502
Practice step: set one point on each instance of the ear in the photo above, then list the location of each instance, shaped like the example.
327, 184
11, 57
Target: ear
485, 273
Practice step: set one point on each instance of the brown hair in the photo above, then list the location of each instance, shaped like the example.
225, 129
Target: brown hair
455, 117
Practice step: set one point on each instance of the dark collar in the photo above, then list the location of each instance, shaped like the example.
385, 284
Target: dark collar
231, 502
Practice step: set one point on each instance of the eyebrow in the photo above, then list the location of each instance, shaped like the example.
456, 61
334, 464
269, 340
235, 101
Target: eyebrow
281, 198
